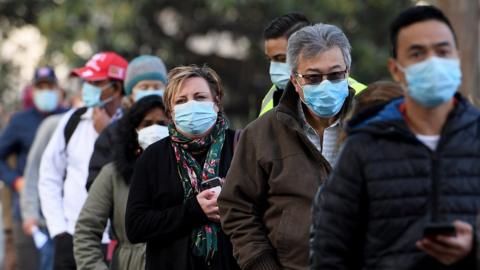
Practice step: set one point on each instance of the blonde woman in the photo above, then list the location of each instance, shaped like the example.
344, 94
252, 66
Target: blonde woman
172, 205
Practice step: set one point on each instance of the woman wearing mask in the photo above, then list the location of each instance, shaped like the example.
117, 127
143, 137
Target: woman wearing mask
172, 204
142, 125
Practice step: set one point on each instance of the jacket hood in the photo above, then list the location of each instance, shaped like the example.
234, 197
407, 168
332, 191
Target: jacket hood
388, 119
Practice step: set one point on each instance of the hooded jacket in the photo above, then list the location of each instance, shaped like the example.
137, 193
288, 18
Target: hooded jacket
388, 186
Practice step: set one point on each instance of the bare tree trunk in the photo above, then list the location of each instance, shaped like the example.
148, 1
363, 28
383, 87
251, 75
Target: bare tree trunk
465, 17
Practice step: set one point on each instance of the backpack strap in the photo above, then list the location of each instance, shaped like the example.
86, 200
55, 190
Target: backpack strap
72, 124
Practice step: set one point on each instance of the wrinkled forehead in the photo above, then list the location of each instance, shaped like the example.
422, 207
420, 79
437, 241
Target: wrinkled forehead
323, 61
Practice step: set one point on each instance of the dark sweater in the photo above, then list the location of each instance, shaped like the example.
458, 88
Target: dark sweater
102, 152
157, 215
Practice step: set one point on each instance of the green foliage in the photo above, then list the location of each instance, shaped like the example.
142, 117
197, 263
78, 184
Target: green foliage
164, 27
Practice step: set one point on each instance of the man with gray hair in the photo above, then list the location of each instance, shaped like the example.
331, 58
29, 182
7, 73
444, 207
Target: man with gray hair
286, 154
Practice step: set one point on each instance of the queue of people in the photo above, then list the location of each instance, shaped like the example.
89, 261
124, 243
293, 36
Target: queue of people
333, 174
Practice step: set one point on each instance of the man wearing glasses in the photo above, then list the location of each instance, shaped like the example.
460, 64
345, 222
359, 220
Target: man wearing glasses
284, 156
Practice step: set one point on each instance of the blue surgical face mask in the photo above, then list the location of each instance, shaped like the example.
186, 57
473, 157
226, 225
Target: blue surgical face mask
46, 100
434, 81
280, 74
195, 117
326, 99
91, 95
139, 94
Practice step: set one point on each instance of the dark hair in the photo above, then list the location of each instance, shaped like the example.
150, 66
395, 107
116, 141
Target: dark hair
285, 26
414, 15
126, 148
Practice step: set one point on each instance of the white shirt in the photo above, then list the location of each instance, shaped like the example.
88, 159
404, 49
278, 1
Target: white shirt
431, 141
61, 200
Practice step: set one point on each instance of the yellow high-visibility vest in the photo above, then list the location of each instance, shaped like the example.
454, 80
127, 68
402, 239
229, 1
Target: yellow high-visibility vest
267, 101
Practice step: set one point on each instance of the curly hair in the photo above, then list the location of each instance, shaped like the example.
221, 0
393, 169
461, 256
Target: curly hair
127, 149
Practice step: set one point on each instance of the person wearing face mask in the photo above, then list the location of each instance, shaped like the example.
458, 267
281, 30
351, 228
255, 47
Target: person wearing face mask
406, 189
17, 138
172, 204
146, 75
285, 155
143, 124
64, 163
276, 35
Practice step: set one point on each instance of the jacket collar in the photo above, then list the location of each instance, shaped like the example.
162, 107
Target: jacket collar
287, 113
386, 118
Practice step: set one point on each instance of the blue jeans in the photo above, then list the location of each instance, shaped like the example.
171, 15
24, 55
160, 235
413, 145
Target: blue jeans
46, 254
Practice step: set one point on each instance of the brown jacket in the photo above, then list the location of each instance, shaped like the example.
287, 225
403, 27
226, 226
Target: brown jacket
265, 205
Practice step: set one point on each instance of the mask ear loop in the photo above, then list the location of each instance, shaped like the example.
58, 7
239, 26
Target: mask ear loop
104, 103
303, 90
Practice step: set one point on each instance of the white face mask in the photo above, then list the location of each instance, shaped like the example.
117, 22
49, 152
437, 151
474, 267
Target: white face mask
147, 136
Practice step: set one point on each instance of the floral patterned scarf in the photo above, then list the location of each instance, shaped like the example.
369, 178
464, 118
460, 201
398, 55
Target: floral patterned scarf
204, 238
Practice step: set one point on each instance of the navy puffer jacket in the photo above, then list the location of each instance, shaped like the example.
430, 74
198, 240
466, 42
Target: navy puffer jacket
388, 185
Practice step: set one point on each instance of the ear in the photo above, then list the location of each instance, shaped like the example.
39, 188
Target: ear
395, 71
295, 83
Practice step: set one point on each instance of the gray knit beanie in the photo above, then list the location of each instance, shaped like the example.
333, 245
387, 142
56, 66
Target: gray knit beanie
144, 67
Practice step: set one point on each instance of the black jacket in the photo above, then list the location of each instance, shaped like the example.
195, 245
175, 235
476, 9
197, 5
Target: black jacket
157, 215
387, 186
102, 152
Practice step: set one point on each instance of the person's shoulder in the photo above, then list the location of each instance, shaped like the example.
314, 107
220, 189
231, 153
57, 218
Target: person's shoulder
159, 148
264, 122
109, 167
22, 115
110, 131
53, 120
112, 128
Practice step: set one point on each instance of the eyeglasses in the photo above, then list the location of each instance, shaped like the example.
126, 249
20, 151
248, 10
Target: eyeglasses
318, 78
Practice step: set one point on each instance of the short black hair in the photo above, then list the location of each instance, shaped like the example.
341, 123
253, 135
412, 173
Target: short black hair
414, 15
285, 25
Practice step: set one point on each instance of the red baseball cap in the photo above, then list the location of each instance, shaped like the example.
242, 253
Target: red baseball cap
104, 65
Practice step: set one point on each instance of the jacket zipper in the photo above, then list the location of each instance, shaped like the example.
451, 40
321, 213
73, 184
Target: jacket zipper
435, 188
434, 197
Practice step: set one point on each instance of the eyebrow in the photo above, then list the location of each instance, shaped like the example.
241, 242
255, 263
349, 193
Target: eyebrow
422, 47
319, 71
442, 44
279, 55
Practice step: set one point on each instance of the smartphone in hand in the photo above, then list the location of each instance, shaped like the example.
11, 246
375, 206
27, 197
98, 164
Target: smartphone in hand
433, 229
213, 184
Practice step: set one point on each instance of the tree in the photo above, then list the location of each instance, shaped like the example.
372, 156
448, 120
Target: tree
173, 29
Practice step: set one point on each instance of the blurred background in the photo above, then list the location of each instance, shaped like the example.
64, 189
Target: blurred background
225, 34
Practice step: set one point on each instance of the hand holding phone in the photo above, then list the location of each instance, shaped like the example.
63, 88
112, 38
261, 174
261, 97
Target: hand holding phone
213, 184
207, 200
446, 246
433, 229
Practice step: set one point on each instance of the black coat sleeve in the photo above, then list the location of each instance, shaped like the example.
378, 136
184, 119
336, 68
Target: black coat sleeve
145, 221
102, 153
339, 213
